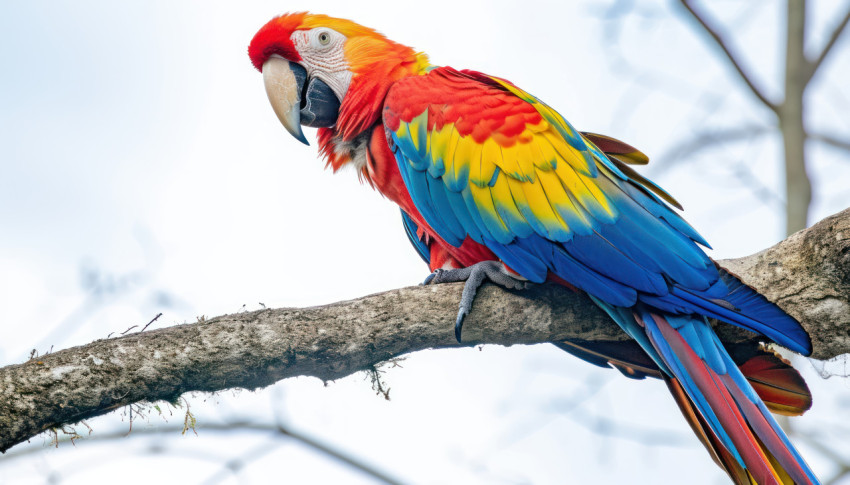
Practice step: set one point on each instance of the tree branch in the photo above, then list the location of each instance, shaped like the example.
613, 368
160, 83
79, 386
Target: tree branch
278, 430
727, 50
827, 48
808, 275
830, 140
686, 149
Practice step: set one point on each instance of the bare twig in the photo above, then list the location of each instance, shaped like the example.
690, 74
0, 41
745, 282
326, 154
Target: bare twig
761, 191
705, 139
340, 456
233, 465
727, 50
150, 322
827, 48
817, 442
278, 430
831, 140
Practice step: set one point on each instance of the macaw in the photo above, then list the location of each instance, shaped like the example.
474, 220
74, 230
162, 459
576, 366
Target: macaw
493, 184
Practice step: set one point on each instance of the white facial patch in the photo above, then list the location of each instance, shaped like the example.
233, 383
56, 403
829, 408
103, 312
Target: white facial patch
322, 53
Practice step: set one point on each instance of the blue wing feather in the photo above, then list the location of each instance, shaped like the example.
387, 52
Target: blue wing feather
410, 228
635, 249
442, 208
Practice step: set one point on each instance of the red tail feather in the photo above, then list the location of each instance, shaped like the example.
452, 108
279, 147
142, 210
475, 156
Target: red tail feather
749, 426
779, 385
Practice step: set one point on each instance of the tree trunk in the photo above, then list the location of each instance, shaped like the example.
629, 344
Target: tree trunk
798, 188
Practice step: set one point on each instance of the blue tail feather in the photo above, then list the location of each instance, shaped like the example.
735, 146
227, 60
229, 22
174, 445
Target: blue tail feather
723, 384
759, 308
783, 330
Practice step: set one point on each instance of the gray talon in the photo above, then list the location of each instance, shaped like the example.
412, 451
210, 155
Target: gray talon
474, 277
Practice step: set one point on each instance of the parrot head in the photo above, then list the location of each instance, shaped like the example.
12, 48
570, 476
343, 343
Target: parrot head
326, 72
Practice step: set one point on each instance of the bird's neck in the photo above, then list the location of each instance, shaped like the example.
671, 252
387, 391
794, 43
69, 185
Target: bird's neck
375, 69
376, 65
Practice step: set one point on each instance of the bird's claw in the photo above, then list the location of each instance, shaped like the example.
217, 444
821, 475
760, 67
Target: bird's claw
459, 326
431, 277
474, 277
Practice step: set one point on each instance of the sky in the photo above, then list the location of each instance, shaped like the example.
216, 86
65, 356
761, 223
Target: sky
143, 171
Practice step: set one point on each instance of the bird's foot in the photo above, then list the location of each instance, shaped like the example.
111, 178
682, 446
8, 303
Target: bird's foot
474, 277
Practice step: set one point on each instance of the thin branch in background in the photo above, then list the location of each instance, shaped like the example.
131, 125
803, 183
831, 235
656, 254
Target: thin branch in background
615, 10
337, 454
277, 429
831, 140
706, 139
603, 425
732, 56
748, 11
643, 82
562, 407
762, 192
234, 465
827, 48
816, 442
100, 288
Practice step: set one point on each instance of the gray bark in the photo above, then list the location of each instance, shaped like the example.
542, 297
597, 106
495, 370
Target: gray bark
808, 275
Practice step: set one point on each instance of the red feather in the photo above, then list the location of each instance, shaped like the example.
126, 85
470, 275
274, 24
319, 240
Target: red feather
447, 90
778, 384
735, 412
274, 38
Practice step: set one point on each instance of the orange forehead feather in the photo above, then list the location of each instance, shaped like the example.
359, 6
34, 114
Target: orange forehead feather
345, 27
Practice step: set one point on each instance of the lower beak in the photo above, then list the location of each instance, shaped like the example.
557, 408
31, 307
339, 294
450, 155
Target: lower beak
297, 100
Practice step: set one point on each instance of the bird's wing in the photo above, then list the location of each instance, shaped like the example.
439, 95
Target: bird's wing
483, 159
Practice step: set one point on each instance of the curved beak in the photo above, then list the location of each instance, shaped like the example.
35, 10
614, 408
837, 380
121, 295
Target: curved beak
297, 100
284, 92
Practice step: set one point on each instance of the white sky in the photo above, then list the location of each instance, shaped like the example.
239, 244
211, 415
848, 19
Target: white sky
137, 144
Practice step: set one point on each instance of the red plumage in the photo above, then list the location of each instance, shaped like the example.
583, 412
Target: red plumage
274, 38
445, 90
778, 384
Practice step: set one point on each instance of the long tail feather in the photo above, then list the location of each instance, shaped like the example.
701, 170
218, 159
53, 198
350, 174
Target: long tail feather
718, 452
776, 382
731, 408
625, 356
728, 416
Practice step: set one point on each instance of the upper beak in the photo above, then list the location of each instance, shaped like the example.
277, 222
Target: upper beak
295, 100
284, 93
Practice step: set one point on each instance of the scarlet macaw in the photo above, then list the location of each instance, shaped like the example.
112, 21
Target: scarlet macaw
495, 184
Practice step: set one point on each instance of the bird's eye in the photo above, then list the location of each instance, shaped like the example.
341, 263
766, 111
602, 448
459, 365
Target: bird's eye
324, 38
